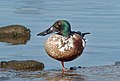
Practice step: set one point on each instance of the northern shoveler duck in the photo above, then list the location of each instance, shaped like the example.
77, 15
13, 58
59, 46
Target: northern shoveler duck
65, 45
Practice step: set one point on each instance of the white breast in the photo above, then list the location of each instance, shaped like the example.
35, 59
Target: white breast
63, 43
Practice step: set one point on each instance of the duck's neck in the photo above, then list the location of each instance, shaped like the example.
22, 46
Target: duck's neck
66, 33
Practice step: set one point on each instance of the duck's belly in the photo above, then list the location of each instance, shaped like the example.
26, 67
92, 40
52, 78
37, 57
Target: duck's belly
63, 48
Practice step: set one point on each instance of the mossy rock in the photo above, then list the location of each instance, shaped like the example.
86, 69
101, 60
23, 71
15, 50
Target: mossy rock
28, 65
14, 31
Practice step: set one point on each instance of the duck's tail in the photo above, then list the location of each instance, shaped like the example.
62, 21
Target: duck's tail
83, 34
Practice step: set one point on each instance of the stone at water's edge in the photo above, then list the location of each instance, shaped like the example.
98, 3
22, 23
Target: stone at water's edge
15, 40
28, 65
14, 34
14, 31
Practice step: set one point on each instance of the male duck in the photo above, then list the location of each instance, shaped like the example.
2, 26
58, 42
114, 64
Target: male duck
65, 45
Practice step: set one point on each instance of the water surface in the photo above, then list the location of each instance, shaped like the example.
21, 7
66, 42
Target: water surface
100, 17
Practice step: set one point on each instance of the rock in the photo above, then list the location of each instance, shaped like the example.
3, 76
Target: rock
73, 68
29, 65
15, 40
14, 34
79, 67
117, 62
14, 31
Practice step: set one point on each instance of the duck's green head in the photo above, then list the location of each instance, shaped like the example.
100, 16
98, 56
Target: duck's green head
62, 27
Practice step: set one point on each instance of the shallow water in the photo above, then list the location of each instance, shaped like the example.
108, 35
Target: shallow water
100, 17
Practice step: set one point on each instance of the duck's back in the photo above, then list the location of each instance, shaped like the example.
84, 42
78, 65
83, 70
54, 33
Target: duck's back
64, 48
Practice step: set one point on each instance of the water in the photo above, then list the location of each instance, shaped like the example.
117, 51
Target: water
100, 17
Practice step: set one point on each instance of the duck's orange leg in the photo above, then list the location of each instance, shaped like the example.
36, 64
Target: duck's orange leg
63, 68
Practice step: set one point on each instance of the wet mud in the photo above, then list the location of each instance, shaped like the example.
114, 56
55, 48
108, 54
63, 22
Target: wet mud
98, 73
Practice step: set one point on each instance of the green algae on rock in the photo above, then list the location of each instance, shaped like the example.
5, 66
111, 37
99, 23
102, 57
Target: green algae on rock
28, 65
14, 31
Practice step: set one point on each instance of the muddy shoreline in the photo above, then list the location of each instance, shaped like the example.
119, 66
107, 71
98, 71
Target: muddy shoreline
98, 73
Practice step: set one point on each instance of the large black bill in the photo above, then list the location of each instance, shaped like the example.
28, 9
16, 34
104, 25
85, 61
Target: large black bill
48, 31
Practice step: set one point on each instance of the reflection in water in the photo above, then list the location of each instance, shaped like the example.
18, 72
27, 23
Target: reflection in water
52, 76
65, 77
30, 7
3, 78
15, 40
